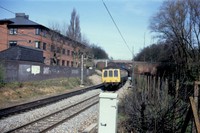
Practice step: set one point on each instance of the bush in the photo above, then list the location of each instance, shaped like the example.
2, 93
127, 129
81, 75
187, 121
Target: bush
1, 76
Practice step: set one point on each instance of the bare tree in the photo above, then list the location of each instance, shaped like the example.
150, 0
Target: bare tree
178, 23
87, 51
148, 107
57, 42
74, 30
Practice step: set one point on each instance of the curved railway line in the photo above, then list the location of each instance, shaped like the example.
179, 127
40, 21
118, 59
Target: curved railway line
48, 122
42, 102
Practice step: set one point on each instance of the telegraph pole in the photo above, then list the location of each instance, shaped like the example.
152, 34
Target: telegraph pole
133, 81
81, 70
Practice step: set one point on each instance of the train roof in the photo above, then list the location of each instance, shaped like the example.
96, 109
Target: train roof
118, 67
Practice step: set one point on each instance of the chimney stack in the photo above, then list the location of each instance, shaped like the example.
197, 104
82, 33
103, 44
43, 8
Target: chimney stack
21, 15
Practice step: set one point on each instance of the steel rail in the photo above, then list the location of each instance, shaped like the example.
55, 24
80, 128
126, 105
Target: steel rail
42, 102
53, 117
64, 120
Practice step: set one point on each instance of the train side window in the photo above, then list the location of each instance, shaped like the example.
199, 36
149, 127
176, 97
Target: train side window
115, 73
110, 73
105, 74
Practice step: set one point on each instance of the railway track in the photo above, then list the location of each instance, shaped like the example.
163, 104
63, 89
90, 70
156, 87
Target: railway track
56, 118
42, 102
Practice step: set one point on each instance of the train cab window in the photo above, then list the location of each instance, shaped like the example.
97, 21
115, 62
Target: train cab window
105, 74
110, 73
115, 73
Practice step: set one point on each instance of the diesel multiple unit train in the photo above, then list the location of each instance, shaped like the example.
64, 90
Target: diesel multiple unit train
114, 77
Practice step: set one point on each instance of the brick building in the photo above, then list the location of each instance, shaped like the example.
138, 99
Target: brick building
57, 49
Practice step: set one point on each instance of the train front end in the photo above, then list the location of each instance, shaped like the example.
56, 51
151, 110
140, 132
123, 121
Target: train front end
111, 77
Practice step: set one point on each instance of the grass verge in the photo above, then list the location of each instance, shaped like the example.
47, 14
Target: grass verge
18, 92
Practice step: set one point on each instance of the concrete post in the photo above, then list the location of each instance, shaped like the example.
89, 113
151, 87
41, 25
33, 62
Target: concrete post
108, 113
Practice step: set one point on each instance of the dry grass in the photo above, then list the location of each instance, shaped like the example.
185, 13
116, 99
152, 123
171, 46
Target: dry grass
14, 93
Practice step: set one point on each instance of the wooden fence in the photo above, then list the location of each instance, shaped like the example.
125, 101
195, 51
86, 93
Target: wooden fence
152, 88
193, 111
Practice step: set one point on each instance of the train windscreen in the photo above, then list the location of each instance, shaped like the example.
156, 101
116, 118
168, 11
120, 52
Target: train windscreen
105, 74
110, 73
115, 73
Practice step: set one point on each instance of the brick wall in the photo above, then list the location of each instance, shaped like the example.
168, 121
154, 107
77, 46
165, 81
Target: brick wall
3, 37
27, 37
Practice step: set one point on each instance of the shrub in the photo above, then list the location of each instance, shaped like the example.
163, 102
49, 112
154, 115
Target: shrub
1, 76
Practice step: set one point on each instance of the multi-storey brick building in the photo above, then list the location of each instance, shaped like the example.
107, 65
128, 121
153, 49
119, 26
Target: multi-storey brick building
57, 49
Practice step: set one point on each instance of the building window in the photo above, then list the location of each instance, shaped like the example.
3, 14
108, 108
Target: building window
44, 33
63, 63
52, 48
13, 31
51, 61
63, 51
58, 62
72, 63
44, 46
67, 63
37, 31
72, 53
58, 50
37, 44
68, 52
12, 43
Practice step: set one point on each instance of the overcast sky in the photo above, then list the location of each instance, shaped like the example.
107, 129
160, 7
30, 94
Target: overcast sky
131, 16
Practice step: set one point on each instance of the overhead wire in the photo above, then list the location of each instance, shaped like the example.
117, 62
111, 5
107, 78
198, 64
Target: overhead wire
18, 32
6, 9
116, 26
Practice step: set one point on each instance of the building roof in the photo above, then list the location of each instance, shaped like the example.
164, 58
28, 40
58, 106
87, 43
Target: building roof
22, 53
21, 20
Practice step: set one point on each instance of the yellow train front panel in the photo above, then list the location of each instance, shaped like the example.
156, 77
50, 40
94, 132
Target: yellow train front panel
111, 76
